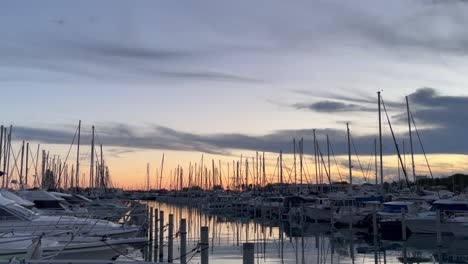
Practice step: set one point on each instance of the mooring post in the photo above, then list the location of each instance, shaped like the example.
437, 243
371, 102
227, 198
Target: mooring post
170, 243
156, 234
150, 229
403, 225
183, 241
147, 220
150, 235
248, 253
161, 236
204, 243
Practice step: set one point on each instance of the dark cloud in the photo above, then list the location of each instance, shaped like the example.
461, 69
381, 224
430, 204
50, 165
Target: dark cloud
119, 50
333, 107
116, 136
440, 111
206, 76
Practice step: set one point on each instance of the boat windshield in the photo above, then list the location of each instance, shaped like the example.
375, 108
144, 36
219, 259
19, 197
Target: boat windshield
21, 211
394, 208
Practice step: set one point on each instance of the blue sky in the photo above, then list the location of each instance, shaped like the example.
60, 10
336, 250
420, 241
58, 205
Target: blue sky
217, 68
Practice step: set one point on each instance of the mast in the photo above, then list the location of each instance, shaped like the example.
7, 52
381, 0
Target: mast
91, 168
7, 183
257, 172
103, 180
375, 162
27, 165
246, 174
214, 173
4, 133
295, 167
147, 176
380, 141
181, 181
21, 164
237, 175
36, 181
1, 146
162, 170
328, 159
263, 168
220, 175
315, 160
413, 167
228, 184
301, 157
350, 165
77, 179
44, 155
281, 169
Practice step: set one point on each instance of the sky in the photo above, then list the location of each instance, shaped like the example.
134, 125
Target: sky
225, 78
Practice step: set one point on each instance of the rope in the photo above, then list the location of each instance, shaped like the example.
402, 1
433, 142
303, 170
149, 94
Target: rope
357, 156
69, 149
197, 252
394, 141
336, 162
121, 253
193, 250
422, 147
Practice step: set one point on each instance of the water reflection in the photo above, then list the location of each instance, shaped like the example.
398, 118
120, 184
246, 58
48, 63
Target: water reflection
280, 242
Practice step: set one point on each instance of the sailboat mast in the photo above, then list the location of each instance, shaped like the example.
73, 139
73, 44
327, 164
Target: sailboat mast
246, 174
301, 157
162, 170
295, 167
350, 165
380, 140
77, 176
375, 162
263, 168
1, 144
21, 164
104, 180
281, 169
27, 165
411, 140
328, 159
315, 159
35, 167
91, 168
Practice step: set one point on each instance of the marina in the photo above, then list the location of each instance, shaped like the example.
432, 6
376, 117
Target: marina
228, 132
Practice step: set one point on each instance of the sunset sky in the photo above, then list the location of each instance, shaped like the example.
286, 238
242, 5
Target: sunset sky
229, 78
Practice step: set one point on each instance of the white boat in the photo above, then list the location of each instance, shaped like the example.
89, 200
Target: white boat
320, 211
425, 222
356, 214
15, 218
46, 203
17, 245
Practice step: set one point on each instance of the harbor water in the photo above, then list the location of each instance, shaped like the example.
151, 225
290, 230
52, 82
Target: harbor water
281, 242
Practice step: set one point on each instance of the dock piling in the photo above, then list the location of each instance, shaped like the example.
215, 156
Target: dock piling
170, 243
183, 241
161, 236
156, 235
204, 243
150, 235
248, 256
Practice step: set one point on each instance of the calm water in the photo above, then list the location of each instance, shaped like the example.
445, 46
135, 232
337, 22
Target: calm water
312, 244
